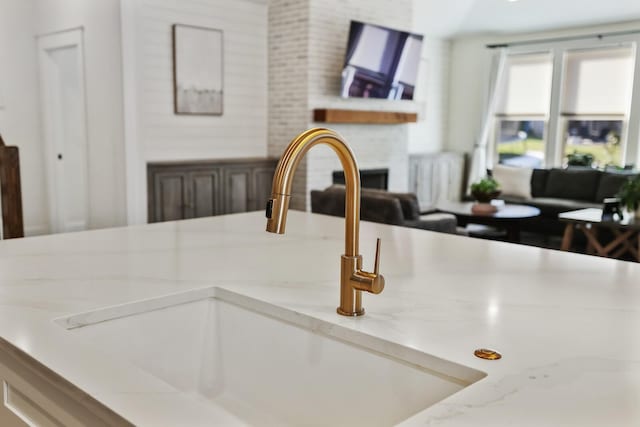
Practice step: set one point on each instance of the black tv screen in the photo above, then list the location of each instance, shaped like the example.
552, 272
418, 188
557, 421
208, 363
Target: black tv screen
380, 62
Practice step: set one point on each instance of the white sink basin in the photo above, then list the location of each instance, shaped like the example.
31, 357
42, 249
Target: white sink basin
271, 366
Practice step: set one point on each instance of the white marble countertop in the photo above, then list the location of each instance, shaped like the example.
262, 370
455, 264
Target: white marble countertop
567, 324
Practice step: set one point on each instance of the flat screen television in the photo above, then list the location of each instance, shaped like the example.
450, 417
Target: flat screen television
380, 62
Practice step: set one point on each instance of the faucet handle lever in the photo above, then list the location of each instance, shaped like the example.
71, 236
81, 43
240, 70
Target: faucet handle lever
363, 280
376, 266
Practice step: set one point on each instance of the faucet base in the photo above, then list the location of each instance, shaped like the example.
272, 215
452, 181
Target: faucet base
350, 298
350, 313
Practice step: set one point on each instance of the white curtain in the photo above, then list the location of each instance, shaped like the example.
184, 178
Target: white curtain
480, 149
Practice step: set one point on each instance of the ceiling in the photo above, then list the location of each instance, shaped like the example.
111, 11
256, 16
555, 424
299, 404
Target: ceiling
447, 18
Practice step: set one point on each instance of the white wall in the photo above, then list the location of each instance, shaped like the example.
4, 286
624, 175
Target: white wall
19, 107
100, 21
430, 133
155, 131
20, 123
432, 19
468, 86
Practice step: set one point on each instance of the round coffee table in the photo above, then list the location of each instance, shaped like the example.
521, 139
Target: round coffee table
508, 216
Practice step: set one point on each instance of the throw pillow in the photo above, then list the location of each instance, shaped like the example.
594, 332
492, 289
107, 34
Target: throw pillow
513, 181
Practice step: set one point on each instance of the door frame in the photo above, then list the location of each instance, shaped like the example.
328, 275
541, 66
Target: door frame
47, 42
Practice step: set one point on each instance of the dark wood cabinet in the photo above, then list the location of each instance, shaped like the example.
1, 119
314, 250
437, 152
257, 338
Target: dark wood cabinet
170, 196
238, 186
181, 190
262, 179
203, 197
10, 192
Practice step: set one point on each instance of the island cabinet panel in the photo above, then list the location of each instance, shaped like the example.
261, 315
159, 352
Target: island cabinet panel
33, 395
181, 190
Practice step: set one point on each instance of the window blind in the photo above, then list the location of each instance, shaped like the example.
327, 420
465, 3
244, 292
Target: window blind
526, 85
598, 81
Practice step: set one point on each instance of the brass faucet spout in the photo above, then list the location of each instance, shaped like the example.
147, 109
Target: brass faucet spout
283, 180
353, 278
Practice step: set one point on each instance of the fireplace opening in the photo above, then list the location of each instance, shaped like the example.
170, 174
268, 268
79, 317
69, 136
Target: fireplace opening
369, 178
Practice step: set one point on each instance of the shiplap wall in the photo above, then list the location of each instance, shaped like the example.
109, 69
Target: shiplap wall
242, 130
153, 131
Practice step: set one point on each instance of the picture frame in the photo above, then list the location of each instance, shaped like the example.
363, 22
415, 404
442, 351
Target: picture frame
197, 70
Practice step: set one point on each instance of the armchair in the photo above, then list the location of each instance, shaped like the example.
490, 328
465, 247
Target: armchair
383, 207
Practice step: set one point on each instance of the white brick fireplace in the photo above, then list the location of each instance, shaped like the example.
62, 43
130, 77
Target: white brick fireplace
307, 42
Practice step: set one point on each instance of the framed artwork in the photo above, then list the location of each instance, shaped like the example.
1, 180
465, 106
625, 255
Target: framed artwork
197, 70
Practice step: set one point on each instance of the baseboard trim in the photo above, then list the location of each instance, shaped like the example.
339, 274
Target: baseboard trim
36, 230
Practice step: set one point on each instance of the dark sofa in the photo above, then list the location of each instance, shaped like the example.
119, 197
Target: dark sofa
555, 191
384, 207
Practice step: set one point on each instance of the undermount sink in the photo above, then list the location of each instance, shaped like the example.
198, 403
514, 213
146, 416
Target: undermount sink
267, 365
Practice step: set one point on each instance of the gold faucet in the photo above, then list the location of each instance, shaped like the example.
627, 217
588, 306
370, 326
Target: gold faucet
353, 280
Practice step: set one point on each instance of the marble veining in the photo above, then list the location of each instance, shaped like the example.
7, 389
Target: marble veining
566, 324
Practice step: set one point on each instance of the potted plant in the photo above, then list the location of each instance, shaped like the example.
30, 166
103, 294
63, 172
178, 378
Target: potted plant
485, 190
629, 196
579, 159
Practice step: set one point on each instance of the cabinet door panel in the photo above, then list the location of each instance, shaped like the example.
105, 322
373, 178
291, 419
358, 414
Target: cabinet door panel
262, 182
237, 190
170, 197
17, 407
205, 194
31, 395
8, 416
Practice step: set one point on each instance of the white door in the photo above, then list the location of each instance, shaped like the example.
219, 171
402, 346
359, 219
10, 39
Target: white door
62, 88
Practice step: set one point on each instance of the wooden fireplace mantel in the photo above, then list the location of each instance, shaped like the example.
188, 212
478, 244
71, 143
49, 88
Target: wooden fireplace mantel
329, 115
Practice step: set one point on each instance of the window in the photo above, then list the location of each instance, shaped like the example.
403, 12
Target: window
595, 104
522, 110
568, 103
521, 143
599, 140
